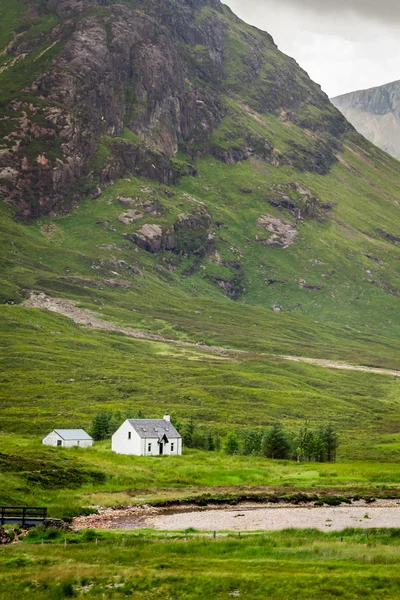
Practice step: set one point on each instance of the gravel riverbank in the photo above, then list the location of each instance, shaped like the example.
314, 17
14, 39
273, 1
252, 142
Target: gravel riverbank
382, 513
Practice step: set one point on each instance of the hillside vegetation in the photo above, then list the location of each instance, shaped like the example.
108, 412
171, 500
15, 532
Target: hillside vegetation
166, 167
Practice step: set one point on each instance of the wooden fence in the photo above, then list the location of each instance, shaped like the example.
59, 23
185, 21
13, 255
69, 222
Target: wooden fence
22, 515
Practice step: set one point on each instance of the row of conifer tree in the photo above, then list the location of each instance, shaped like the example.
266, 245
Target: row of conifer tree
306, 444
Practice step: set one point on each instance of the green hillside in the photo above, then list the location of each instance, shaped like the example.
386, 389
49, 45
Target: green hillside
243, 213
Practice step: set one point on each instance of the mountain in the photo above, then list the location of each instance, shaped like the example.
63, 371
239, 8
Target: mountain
101, 90
375, 113
183, 192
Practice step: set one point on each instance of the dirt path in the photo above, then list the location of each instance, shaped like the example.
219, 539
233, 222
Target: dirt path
245, 517
328, 364
88, 318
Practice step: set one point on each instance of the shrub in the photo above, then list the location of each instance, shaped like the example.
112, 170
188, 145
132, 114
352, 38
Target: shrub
231, 443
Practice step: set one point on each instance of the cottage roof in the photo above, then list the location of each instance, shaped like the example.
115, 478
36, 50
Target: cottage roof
151, 428
73, 434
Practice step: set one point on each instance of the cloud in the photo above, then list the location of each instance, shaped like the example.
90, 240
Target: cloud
384, 10
344, 45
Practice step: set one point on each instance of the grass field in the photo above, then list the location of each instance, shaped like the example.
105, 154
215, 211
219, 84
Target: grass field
56, 375
282, 566
67, 480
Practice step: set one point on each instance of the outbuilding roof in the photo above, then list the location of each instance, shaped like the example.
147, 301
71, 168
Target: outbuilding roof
151, 428
73, 434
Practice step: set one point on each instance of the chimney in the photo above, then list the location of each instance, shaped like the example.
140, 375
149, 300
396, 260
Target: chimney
167, 418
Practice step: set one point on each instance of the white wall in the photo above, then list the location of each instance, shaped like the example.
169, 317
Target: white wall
137, 446
53, 437
80, 443
121, 444
177, 442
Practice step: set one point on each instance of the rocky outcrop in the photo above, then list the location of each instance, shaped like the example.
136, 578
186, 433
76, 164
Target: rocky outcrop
129, 217
147, 207
115, 72
284, 233
159, 70
299, 201
154, 238
395, 239
191, 234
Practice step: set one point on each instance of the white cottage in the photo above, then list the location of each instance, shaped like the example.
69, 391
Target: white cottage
147, 437
68, 438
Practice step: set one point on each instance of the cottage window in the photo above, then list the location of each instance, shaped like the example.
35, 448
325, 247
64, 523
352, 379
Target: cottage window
129, 435
172, 446
149, 447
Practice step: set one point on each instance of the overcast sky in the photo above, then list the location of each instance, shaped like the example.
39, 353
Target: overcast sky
344, 45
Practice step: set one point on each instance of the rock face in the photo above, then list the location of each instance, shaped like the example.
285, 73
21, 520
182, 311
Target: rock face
284, 233
153, 238
300, 202
117, 87
191, 234
376, 114
151, 207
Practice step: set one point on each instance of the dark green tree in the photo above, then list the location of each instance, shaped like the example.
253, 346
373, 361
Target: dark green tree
176, 422
188, 433
304, 443
275, 443
307, 445
231, 443
330, 438
209, 442
115, 422
100, 428
199, 439
317, 448
252, 442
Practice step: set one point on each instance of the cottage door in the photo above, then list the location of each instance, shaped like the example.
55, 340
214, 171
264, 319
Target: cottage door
161, 448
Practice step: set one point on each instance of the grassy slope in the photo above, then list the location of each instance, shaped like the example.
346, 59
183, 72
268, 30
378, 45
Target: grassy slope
353, 317
334, 256
351, 308
280, 565
53, 371
48, 477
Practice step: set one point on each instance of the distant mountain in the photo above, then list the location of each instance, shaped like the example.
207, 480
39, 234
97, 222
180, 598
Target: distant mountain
376, 114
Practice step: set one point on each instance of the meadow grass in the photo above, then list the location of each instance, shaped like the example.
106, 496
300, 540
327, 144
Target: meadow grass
57, 375
65, 480
282, 565
338, 286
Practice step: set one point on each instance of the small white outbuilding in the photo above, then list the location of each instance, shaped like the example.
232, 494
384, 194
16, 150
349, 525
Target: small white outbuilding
147, 437
68, 438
